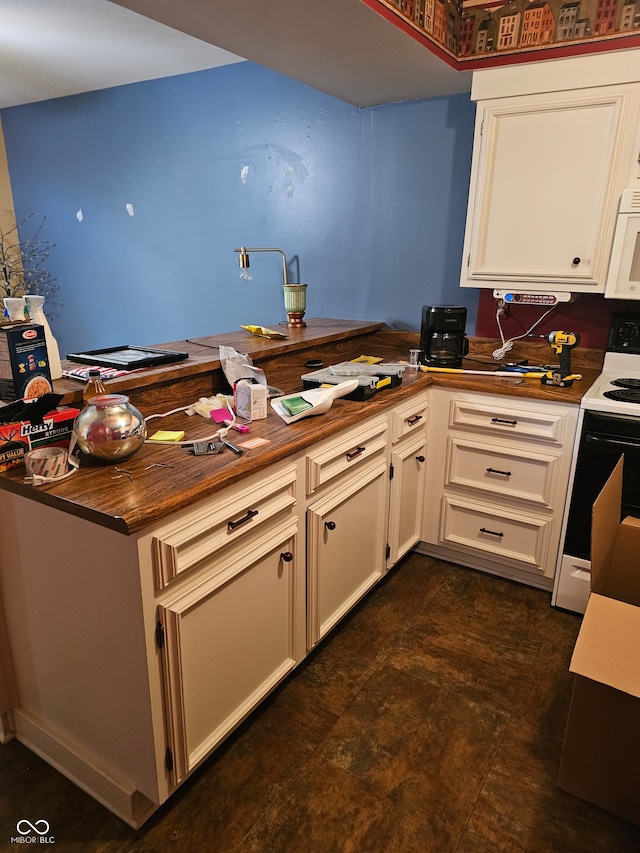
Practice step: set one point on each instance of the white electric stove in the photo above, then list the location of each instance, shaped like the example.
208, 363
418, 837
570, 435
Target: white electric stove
617, 389
608, 427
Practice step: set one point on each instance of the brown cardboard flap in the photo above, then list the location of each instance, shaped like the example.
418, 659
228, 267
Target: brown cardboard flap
607, 647
604, 530
624, 576
600, 756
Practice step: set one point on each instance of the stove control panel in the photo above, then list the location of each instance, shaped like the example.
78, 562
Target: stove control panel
624, 333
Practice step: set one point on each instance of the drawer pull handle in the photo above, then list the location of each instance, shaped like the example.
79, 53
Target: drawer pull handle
504, 421
251, 513
496, 471
287, 557
491, 532
414, 420
419, 458
330, 525
351, 454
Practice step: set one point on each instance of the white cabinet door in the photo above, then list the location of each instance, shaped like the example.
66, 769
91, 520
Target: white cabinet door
546, 180
230, 637
407, 495
346, 540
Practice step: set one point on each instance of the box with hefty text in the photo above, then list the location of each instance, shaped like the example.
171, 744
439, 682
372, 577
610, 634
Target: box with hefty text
18, 438
600, 760
24, 362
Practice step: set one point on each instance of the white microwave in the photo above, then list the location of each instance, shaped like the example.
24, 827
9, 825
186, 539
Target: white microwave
623, 280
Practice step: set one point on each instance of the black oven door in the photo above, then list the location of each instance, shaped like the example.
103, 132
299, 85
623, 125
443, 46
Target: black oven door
604, 439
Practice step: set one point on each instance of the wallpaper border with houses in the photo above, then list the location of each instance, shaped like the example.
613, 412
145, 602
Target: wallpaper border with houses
478, 33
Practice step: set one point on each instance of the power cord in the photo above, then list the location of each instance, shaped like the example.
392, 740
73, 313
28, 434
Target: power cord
500, 353
218, 435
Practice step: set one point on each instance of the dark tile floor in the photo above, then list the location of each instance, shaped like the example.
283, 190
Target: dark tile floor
430, 720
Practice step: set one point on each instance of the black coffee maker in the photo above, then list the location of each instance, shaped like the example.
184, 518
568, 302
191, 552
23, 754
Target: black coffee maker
442, 336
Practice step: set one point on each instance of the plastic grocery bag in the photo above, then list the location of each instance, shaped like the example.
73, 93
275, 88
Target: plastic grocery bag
236, 367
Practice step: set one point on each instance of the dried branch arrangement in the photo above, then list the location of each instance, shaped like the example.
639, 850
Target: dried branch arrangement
23, 263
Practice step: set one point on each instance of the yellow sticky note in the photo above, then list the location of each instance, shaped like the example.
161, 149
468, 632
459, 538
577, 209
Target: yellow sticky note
167, 435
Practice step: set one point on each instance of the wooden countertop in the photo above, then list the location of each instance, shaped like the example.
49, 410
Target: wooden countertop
203, 360
93, 492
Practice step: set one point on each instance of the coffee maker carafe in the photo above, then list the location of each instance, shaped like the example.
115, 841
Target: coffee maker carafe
442, 335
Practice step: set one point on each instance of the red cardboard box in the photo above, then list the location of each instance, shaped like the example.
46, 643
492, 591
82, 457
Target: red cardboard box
18, 438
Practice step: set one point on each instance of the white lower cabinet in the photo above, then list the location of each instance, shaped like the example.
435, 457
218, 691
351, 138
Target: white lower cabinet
194, 620
230, 610
407, 477
191, 622
408, 470
365, 491
346, 520
498, 487
346, 535
229, 638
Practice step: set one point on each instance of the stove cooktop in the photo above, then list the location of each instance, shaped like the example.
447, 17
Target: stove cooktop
617, 389
623, 395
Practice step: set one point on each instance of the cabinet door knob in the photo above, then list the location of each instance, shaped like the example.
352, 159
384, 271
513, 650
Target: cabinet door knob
420, 458
286, 557
251, 513
330, 525
575, 262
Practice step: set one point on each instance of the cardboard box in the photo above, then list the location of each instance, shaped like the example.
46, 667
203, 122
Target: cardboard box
601, 752
24, 362
17, 438
250, 400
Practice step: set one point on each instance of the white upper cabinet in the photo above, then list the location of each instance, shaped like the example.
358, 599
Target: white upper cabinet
553, 151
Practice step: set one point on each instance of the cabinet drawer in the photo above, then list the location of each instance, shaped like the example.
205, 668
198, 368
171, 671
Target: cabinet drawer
197, 534
511, 538
409, 417
345, 452
501, 417
502, 472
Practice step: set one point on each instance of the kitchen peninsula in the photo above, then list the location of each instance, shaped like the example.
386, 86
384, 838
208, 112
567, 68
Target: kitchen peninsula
144, 618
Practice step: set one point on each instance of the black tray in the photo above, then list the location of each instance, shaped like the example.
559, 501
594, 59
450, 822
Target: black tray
127, 357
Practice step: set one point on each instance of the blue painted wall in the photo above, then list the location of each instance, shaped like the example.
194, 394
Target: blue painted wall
368, 204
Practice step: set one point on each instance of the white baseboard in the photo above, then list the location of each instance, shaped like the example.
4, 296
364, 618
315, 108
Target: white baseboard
117, 795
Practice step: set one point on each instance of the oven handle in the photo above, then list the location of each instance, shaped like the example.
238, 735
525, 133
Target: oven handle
617, 443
